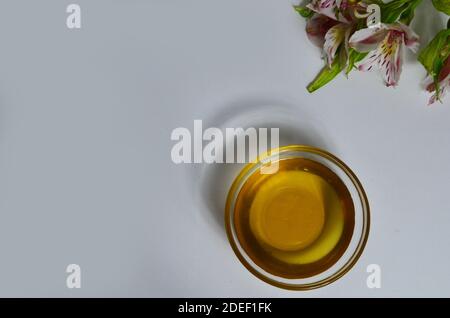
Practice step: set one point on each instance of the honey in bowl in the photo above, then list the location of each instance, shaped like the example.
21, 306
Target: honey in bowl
297, 222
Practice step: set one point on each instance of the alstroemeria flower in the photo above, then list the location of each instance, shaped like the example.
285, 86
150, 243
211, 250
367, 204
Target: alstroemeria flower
327, 34
334, 9
385, 46
443, 83
332, 25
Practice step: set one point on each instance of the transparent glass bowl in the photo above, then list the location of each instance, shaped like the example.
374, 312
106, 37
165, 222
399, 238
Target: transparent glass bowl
360, 231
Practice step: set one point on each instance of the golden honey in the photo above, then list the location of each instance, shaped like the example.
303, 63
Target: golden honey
297, 222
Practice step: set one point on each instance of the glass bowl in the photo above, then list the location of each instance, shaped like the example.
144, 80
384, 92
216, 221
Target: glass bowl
361, 218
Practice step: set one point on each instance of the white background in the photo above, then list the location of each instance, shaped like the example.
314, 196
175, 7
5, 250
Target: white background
85, 169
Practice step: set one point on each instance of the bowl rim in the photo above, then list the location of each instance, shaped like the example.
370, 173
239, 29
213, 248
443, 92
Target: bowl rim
365, 212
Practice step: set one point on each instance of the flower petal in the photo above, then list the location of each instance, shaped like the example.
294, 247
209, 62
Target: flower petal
428, 83
391, 58
445, 71
334, 37
410, 37
317, 27
329, 8
443, 88
388, 57
368, 39
443, 79
437, 96
371, 60
348, 33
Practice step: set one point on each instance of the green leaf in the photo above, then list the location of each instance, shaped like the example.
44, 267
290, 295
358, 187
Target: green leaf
353, 58
395, 10
326, 75
436, 52
442, 5
304, 11
408, 15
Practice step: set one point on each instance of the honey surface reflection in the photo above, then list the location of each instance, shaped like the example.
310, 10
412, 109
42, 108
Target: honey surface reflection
297, 222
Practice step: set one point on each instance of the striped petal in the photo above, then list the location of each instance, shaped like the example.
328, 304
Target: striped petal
370, 61
391, 58
444, 86
317, 27
368, 39
393, 76
410, 38
329, 8
388, 57
334, 37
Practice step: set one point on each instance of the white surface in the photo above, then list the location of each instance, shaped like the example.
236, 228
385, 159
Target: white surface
86, 175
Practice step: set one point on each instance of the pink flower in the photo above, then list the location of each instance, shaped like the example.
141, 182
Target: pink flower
334, 9
331, 26
326, 33
443, 83
385, 46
